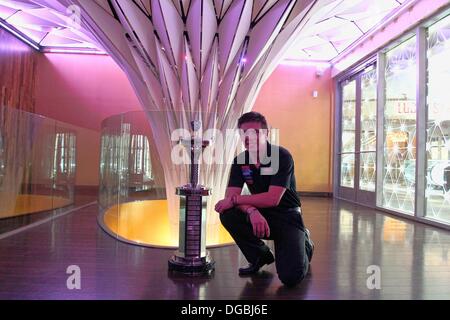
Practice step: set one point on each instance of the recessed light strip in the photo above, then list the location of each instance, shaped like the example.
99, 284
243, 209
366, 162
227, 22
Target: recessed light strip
19, 35
314, 63
73, 51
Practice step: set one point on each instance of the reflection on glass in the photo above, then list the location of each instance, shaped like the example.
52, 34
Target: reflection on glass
141, 175
438, 122
37, 164
64, 162
368, 130
64, 155
400, 128
111, 160
348, 134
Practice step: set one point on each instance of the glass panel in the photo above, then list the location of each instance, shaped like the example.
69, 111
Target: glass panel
348, 116
399, 162
368, 137
109, 162
347, 170
39, 179
64, 163
438, 122
37, 167
348, 133
367, 172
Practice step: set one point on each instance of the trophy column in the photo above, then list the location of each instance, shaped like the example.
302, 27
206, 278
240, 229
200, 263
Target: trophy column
192, 257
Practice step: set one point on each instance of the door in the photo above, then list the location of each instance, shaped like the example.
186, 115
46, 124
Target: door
357, 153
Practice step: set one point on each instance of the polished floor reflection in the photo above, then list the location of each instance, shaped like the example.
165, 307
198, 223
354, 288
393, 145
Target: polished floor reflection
82, 196
32, 203
413, 259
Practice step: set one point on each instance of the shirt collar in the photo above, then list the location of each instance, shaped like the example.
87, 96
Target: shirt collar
266, 155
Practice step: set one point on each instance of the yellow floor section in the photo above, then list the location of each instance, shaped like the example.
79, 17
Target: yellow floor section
147, 222
29, 203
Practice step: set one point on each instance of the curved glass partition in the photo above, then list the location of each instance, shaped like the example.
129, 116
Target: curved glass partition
37, 164
139, 173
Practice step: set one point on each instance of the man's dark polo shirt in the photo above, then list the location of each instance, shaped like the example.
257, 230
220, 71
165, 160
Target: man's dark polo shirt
248, 173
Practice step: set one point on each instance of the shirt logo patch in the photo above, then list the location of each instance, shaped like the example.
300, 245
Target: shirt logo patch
247, 174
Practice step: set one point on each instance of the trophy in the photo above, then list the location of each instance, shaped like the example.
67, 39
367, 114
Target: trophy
192, 257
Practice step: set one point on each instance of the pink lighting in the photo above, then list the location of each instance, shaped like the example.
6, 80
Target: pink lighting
312, 63
391, 27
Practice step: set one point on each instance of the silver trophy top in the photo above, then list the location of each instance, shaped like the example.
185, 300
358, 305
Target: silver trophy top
195, 143
196, 125
195, 146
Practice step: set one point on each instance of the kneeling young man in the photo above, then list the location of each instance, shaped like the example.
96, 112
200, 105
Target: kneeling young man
272, 211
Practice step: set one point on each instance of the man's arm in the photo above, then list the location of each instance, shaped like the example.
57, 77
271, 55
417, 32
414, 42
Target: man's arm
235, 191
259, 223
279, 182
233, 198
267, 199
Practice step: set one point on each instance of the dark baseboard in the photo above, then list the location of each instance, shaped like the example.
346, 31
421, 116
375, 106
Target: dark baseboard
315, 194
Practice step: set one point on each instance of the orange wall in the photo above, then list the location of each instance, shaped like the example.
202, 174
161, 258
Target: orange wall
305, 122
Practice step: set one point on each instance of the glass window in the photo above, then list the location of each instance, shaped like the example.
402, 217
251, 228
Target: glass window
438, 122
368, 136
399, 161
348, 134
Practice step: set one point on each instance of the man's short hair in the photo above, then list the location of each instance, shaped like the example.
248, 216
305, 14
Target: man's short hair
253, 117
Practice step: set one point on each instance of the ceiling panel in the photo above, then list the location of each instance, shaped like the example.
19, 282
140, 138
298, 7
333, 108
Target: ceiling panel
339, 24
334, 27
45, 27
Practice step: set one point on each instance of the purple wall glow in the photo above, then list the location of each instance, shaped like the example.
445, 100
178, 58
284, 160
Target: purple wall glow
82, 89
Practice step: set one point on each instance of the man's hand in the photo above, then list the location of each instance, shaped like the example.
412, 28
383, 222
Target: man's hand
224, 204
259, 223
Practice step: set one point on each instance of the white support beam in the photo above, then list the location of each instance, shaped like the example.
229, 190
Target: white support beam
421, 120
381, 99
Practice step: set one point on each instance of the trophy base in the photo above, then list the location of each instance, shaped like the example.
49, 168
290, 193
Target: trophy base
191, 266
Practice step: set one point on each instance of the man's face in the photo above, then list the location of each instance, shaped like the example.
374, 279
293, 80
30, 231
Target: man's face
254, 136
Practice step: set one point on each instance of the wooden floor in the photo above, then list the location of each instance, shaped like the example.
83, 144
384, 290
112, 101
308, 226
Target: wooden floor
413, 259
